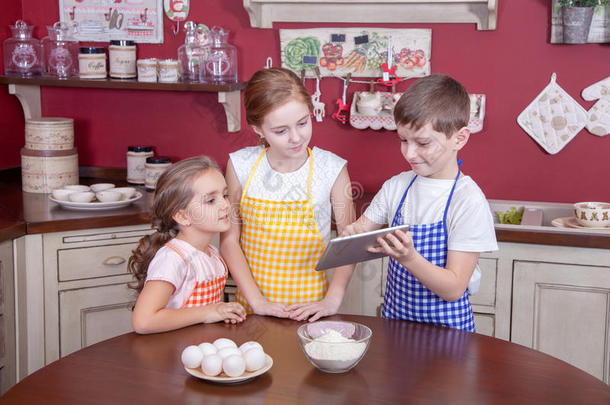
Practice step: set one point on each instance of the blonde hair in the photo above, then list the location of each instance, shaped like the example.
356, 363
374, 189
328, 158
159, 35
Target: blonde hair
436, 99
173, 193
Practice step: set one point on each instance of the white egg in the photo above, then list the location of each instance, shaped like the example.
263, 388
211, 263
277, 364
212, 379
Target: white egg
211, 365
207, 348
228, 351
249, 345
191, 357
255, 359
234, 365
221, 343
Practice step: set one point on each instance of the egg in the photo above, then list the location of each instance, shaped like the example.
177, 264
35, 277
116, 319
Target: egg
234, 365
254, 358
207, 348
211, 365
228, 351
221, 343
191, 357
249, 345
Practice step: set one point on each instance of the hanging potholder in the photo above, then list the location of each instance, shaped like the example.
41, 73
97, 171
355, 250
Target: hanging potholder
553, 118
597, 90
599, 117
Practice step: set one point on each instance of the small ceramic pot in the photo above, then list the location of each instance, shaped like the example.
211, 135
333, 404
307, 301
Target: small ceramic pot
101, 187
592, 214
108, 196
62, 194
82, 196
127, 192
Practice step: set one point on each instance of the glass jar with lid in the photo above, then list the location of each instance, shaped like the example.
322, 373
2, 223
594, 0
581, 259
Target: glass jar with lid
155, 166
22, 53
60, 50
136, 163
92, 62
122, 59
220, 59
193, 51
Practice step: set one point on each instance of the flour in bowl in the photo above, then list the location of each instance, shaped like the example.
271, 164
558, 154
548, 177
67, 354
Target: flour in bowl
334, 346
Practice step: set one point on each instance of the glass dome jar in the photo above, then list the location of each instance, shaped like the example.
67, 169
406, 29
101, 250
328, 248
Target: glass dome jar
60, 50
22, 53
220, 63
193, 51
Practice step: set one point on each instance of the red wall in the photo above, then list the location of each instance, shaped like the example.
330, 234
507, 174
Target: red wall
511, 65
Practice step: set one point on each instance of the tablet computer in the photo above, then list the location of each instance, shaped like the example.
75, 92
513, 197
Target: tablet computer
353, 249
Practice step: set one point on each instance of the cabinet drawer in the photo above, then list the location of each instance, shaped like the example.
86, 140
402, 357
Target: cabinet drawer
94, 261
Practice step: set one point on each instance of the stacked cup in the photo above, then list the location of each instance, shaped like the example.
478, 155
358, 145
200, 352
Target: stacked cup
49, 159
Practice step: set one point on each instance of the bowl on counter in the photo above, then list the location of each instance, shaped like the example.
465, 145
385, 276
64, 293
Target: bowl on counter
96, 188
81, 196
127, 192
77, 187
108, 195
334, 346
62, 194
593, 214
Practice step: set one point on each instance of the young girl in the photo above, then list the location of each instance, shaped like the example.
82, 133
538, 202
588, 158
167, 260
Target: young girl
286, 193
180, 276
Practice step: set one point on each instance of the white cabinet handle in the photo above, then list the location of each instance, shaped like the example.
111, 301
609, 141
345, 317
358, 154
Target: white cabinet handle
114, 260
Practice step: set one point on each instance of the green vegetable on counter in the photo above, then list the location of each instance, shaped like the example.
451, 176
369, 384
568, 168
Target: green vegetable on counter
512, 216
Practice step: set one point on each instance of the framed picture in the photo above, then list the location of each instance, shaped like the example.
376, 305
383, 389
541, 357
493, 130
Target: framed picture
359, 51
104, 20
600, 25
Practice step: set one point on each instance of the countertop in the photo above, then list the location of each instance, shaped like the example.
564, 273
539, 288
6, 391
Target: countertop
29, 213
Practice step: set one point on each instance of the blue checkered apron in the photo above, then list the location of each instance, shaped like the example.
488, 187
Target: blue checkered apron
407, 298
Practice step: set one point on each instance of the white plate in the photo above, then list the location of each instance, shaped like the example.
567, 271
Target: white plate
571, 222
224, 379
96, 205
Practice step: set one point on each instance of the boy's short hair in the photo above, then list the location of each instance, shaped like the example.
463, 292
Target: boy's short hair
436, 99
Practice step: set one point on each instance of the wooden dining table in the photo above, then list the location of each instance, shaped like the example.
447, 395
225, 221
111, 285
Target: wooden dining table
406, 362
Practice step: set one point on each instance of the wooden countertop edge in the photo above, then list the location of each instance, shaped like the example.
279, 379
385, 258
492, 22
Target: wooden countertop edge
88, 223
548, 238
12, 231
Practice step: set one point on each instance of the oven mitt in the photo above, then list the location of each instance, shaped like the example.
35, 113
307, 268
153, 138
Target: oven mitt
599, 117
597, 90
554, 118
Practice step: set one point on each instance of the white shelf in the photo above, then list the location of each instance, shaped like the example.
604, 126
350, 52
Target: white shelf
263, 13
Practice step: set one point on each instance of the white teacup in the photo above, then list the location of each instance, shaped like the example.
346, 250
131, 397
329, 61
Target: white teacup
82, 196
127, 192
77, 187
109, 196
96, 188
62, 194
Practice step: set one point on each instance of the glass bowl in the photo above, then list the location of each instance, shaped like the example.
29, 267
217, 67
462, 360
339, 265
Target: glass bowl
334, 346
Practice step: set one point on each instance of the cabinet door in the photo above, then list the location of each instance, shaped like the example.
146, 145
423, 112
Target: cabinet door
90, 315
7, 318
363, 295
564, 310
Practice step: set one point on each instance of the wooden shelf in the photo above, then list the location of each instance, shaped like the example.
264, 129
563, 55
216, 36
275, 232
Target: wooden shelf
27, 90
263, 13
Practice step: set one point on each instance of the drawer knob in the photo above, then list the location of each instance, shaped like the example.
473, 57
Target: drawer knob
114, 260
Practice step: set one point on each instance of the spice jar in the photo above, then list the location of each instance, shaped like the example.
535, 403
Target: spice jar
92, 62
155, 165
122, 56
136, 163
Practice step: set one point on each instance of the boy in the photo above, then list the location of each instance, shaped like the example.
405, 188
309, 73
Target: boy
451, 222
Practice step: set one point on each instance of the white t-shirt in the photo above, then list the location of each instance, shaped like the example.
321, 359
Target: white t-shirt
470, 225
269, 184
167, 265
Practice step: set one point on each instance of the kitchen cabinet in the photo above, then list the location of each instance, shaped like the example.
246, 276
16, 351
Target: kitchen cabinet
7, 318
263, 13
27, 90
561, 304
73, 289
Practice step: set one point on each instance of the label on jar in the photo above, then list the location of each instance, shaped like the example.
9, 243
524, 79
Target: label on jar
153, 172
122, 61
136, 167
92, 66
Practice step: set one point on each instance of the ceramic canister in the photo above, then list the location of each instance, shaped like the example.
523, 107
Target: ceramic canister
155, 166
44, 171
49, 133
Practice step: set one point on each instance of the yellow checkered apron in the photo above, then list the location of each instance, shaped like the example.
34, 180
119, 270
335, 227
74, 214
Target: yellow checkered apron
282, 245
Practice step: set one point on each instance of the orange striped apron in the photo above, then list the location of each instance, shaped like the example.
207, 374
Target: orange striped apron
282, 245
206, 291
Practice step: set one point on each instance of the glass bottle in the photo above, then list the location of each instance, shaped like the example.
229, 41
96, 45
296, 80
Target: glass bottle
22, 53
220, 63
60, 50
191, 53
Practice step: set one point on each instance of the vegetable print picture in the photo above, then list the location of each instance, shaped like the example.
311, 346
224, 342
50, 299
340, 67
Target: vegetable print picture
363, 52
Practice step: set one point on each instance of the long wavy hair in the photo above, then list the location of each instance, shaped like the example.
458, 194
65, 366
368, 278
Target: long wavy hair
173, 192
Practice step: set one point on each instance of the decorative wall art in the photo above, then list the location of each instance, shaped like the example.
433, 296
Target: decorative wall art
103, 20
363, 52
554, 118
600, 25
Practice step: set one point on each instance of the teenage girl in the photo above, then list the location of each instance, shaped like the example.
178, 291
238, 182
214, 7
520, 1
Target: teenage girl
286, 194
179, 275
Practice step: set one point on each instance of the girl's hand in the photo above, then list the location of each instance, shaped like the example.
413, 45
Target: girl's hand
352, 229
265, 307
229, 312
313, 310
398, 245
